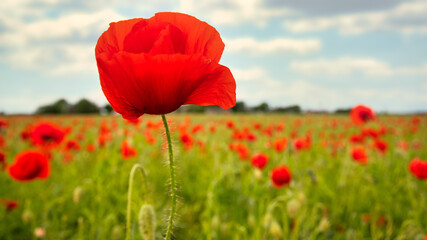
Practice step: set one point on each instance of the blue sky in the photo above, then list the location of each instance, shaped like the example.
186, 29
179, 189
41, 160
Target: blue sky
318, 54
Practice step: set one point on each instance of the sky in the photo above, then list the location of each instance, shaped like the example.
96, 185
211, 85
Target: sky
320, 55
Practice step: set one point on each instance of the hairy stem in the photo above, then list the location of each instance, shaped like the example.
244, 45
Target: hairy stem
172, 173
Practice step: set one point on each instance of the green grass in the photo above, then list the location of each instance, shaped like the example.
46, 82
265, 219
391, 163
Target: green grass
219, 195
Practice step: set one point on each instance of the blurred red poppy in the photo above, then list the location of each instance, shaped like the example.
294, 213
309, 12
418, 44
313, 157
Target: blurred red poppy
418, 168
29, 165
72, 145
280, 176
259, 160
359, 154
156, 65
3, 124
381, 145
2, 161
187, 140
9, 204
280, 144
127, 150
46, 134
361, 114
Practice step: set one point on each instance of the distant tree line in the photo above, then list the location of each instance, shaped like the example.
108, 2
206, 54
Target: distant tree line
85, 106
241, 107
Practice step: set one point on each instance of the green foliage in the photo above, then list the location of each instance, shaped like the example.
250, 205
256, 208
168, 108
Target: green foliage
263, 107
61, 106
240, 107
289, 109
84, 106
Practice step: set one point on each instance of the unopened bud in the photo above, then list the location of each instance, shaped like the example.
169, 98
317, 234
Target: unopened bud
324, 224
257, 173
267, 220
117, 232
215, 222
77, 194
27, 216
147, 222
275, 229
293, 207
251, 220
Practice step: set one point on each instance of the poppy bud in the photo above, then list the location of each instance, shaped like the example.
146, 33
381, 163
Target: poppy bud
147, 222
77, 194
215, 222
251, 220
27, 216
267, 220
275, 230
257, 173
117, 232
293, 207
323, 225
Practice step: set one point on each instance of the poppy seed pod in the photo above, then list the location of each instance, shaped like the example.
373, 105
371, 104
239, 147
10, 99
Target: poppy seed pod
147, 222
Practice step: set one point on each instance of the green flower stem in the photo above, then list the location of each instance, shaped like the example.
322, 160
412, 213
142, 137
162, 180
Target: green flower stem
172, 173
128, 215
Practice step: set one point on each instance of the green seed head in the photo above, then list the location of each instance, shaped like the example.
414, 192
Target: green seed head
27, 216
276, 230
293, 206
147, 222
77, 194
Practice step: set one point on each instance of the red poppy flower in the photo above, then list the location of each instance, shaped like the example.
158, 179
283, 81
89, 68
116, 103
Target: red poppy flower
9, 204
2, 161
359, 154
356, 138
280, 144
3, 123
418, 168
259, 160
280, 176
29, 165
361, 114
242, 150
156, 65
381, 145
186, 139
72, 145
127, 150
47, 135
90, 147
302, 143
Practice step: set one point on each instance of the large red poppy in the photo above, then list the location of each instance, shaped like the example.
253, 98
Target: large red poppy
361, 114
156, 65
29, 165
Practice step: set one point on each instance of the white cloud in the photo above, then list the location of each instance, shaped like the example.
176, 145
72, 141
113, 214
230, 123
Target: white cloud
274, 46
236, 12
346, 66
57, 46
405, 18
255, 85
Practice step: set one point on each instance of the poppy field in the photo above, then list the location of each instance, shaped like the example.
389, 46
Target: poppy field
238, 177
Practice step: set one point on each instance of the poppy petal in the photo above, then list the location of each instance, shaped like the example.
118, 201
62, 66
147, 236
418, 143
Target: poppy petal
201, 37
112, 40
138, 83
